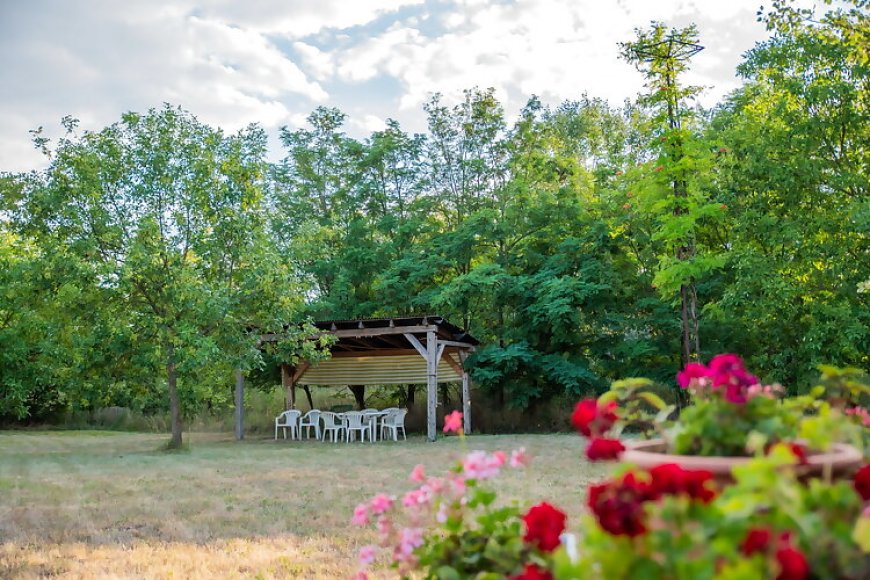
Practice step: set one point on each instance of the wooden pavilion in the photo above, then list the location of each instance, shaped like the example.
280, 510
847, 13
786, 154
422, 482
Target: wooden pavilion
384, 351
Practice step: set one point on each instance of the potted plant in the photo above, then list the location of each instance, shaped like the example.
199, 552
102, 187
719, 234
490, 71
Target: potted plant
668, 520
732, 418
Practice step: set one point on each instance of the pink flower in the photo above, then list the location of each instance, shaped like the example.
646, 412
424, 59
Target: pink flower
416, 497
692, 372
418, 474
409, 540
727, 370
458, 485
480, 465
360, 576
861, 413
367, 555
499, 458
361, 515
434, 485
381, 503
519, 458
453, 422
385, 526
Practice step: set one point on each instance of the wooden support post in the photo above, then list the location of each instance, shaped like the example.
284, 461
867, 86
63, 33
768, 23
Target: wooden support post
466, 396
287, 383
292, 393
240, 405
431, 383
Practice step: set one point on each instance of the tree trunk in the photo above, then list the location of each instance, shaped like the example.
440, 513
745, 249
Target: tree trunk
409, 398
359, 394
174, 402
308, 396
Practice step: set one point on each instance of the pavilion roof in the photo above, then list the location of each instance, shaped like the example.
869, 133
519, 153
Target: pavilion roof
387, 333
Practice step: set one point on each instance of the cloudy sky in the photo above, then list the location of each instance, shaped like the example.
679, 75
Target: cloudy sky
233, 62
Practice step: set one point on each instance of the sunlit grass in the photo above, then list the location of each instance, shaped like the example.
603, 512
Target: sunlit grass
89, 504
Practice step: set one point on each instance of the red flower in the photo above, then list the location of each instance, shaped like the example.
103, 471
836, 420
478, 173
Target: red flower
533, 572
601, 449
693, 371
591, 418
671, 479
626, 205
792, 563
660, 167
667, 479
862, 482
798, 450
618, 505
756, 540
727, 371
544, 525
698, 487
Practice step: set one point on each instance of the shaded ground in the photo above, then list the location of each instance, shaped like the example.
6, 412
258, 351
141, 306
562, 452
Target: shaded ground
84, 504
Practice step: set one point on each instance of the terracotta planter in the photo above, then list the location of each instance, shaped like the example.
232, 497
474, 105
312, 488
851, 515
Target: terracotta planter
841, 460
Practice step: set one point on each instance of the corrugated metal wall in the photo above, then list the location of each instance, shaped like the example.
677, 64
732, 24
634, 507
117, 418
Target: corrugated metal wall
376, 370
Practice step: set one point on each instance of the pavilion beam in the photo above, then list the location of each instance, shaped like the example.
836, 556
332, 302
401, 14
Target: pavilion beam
300, 370
431, 383
240, 405
466, 395
377, 353
359, 332
453, 364
415, 342
466, 345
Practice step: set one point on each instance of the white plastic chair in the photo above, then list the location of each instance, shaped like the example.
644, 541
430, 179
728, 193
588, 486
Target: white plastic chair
355, 421
333, 424
288, 420
394, 421
310, 420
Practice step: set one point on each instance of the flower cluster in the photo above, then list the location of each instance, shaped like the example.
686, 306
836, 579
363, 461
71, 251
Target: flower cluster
725, 374
618, 505
594, 419
791, 562
403, 524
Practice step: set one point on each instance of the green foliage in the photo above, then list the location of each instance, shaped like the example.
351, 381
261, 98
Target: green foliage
715, 427
486, 542
564, 240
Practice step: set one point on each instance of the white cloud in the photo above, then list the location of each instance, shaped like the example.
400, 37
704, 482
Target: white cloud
300, 18
557, 49
273, 61
369, 123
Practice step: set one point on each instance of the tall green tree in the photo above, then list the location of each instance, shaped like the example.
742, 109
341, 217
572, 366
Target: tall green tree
168, 213
796, 151
674, 189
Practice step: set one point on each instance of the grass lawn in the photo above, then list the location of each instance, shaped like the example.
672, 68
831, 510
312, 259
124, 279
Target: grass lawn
80, 504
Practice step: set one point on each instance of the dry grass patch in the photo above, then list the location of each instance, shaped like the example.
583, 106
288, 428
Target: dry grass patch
86, 504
